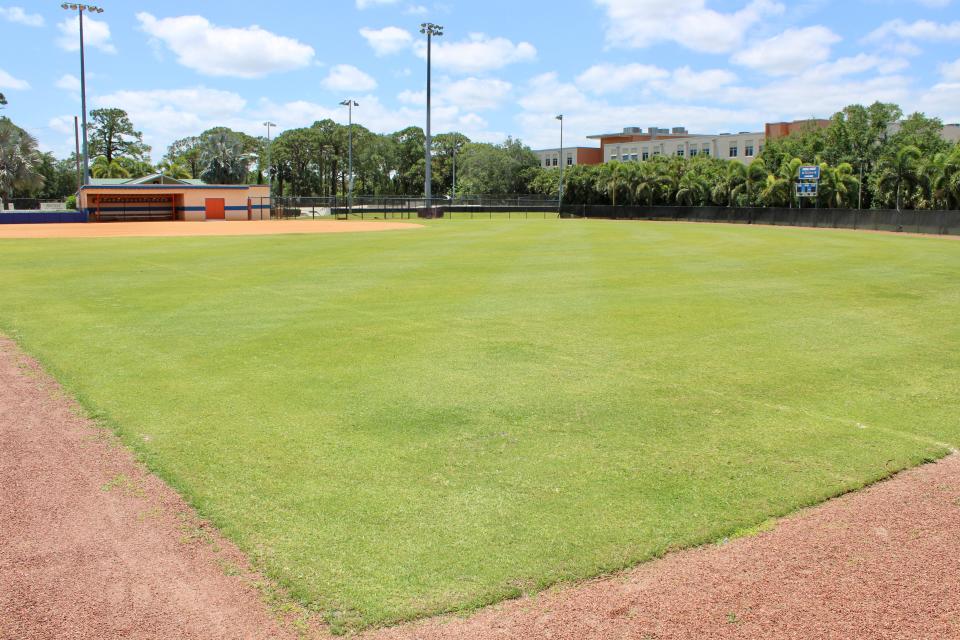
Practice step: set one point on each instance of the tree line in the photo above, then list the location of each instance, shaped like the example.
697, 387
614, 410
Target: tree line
869, 156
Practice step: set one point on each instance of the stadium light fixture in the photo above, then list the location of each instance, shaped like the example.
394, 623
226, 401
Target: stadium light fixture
430, 30
80, 8
350, 103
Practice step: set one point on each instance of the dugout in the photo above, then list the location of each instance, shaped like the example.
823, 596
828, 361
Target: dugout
160, 197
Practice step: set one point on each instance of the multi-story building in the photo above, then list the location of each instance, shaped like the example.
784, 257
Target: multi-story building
775, 130
636, 144
573, 155
633, 143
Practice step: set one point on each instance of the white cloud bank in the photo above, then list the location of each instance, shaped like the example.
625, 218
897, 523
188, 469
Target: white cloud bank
246, 52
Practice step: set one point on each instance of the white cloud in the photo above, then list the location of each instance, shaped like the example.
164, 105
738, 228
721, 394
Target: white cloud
476, 54
249, 52
68, 82
417, 10
346, 77
942, 100
476, 93
19, 16
62, 124
387, 40
789, 52
860, 63
585, 116
7, 81
96, 33
689, 23
934, 4
686, 81
167, 114
366, 4
471, 94
610, 78
951, 70
919, 30
792, 98
381, 118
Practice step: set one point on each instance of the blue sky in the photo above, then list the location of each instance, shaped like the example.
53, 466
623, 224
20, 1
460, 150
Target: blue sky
501, 68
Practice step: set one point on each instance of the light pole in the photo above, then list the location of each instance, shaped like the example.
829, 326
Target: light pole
269, 124
453, 195
80, 8
431, 30
350, 104
562, 161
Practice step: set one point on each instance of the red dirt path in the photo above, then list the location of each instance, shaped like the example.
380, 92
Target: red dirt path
881, 563
92, 546
216, 228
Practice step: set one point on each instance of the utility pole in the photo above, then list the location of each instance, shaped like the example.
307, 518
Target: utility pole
76, 139
80, 8
430, 30
453, 195
350, 104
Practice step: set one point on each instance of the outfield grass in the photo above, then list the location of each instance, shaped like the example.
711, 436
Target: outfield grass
404, 423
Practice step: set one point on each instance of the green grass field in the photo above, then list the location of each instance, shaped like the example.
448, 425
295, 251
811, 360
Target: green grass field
399, 424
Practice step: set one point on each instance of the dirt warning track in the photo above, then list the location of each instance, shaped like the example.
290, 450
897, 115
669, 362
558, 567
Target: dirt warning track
92, 546
185, 229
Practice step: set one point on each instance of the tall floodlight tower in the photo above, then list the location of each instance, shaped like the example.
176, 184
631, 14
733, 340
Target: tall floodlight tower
80, 8
562, 161
350, 104
430, 30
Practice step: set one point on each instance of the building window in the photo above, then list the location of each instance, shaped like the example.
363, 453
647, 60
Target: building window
734, 151
748, 150
546, 162
569, 161
555, 163
656, 152
706, 151
680, 152
693, 152
613, 157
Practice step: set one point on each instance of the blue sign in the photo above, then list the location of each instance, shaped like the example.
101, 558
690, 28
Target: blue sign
810, 173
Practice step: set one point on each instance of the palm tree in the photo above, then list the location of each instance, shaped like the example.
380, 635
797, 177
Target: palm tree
224, 159
838, 186
174, 169
136, 167
20, 160
947, 183
901, 172
113, 169
776, 192
749, 179
648, 183
693, 190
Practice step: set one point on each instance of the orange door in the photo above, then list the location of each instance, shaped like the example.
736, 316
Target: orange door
215, 209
